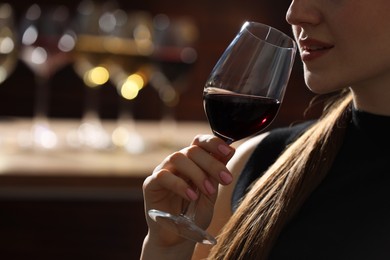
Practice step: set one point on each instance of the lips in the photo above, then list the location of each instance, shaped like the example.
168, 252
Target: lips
313, 49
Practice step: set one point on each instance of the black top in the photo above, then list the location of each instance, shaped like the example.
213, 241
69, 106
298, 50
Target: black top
348, 215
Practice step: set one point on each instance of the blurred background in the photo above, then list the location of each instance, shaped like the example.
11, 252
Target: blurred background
87, 90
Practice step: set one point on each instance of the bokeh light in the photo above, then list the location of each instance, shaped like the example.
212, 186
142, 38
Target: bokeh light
96, 76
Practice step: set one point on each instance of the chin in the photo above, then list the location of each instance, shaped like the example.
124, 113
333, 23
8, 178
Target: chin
322, 87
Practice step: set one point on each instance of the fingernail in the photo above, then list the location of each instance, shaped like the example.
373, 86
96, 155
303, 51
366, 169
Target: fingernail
191, 194
209, 187
224, 149
225, 177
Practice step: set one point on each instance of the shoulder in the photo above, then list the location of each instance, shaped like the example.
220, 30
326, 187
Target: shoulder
269, 144
279, 138
259, 152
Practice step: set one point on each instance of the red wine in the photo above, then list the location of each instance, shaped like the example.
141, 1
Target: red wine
233, 116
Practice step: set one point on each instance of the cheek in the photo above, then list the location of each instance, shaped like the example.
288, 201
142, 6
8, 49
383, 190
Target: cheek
367, 60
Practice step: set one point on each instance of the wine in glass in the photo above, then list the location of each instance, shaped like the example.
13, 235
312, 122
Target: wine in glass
241, 97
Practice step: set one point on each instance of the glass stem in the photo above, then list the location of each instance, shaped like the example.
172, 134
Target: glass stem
42, 95
126, 111
91, 113
189, 209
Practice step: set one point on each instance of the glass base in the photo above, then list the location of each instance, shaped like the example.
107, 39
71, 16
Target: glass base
182, 226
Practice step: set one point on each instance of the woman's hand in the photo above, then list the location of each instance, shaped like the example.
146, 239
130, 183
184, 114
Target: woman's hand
190, 174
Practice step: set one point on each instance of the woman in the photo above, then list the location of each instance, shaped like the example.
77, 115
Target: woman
322, 191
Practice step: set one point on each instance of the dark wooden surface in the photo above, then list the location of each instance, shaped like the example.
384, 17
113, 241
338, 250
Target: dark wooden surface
70, 217
71, 229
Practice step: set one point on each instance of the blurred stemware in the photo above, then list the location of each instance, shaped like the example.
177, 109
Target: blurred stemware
174, 57
119, 42
46, 44
8, 49
129, 68
90, 63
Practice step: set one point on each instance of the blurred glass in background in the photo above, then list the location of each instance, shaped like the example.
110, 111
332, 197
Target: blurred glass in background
108, 47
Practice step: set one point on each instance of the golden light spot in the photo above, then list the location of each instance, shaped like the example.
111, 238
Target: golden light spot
129, 90
96, 76
137, 79
131, 86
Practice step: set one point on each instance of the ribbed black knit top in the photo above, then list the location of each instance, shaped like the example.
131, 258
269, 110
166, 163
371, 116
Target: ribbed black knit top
348, 215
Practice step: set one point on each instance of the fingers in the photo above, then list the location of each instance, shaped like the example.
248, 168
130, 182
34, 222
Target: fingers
200, 166
170, 181
186, 171
216, 146
207, 164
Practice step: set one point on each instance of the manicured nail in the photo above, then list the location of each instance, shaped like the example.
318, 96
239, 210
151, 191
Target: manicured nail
225, 177
191, 194
209, 187
224, 149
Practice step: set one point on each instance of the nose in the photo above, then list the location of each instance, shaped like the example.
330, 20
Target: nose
303, 12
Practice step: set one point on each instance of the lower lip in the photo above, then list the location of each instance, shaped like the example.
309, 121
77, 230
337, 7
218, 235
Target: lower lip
313, 55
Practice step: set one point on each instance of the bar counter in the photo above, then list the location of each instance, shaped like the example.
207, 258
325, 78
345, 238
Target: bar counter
77, 203
22, 161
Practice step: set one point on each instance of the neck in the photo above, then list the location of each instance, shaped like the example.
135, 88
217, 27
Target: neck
372, 100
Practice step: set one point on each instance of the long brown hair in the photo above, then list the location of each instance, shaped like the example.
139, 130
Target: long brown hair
280, 192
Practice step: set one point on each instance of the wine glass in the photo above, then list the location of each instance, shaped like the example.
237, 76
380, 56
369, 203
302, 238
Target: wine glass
129, 67
174, 56
241, 97
46, 45
8, 50
90, 63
